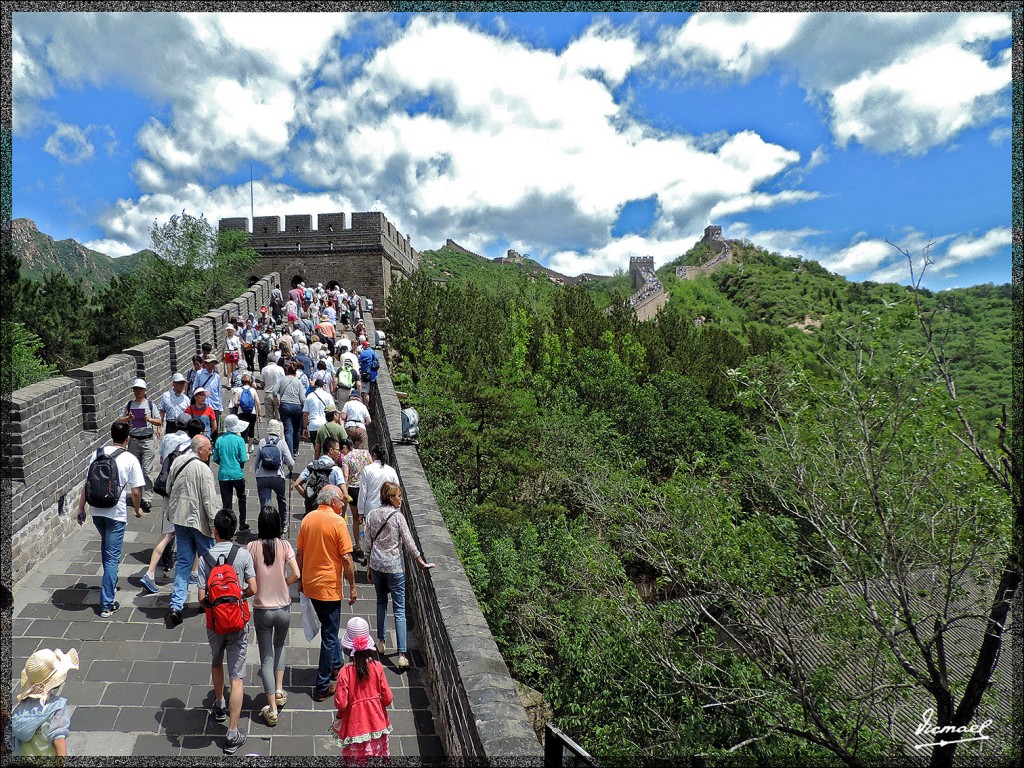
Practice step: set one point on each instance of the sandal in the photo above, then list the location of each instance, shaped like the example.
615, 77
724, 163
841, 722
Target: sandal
270, 718
282, 698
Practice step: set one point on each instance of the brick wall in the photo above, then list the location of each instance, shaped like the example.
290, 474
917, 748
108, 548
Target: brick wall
479, 715
56, 424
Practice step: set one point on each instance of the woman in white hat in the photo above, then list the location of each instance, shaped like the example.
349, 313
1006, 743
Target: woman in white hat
40, 721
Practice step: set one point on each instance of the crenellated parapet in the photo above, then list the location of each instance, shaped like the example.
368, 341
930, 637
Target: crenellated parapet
361, 250
722, 255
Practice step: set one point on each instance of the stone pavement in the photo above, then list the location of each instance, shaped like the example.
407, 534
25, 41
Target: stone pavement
144, 689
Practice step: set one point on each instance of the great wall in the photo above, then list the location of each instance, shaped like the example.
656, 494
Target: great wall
56, 424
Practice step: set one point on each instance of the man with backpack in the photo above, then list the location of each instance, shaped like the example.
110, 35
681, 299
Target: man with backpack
227, 577
112, 474
271, 375
145, 422
330, 429
369, 364
274, 462
319, 473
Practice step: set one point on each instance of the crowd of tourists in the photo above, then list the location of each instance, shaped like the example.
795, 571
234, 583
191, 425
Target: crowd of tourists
302, 367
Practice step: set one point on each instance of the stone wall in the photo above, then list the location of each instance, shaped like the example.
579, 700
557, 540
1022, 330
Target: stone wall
359, 250
56, 424
479, 714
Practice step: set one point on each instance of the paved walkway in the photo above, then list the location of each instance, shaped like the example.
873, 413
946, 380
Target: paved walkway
144, 689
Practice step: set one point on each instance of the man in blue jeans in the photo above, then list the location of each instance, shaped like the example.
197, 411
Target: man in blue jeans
323, 552
192, 506
111, 521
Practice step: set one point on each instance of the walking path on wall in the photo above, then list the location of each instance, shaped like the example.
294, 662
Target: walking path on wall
144, 689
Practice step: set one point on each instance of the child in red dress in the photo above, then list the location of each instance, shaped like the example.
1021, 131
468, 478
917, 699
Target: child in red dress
361, 724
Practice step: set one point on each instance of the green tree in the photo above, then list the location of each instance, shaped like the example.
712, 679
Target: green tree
24, 366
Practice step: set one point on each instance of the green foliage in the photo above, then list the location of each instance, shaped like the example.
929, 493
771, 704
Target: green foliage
24, 365
604, 479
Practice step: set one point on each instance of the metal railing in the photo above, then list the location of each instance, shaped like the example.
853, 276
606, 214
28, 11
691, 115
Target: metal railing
560, 750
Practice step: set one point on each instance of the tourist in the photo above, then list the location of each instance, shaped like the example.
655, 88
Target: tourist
270, 375
353, 464
174, 401
190, 377
291, 395
246, 403
356, 416
231, 644
192, 507
111, 518
230, 454
330, 428
176, 439
232, 351
369, 363
319, 473
248, 338
41, 718
271, 556
273, 450
324, 553
314, 410
210, 381
200, 410
388, 539
361, 720
145, 423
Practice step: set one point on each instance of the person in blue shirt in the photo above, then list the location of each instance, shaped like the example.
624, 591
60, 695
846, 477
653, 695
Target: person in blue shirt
209, 379
368, 364
230, 454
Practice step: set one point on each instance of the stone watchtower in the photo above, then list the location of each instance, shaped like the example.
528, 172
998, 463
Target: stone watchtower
637, 264
363, 251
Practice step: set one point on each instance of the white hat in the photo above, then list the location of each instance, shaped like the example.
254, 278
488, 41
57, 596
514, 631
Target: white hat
139, 383
199, 391
234, 424
357, 635
177, 378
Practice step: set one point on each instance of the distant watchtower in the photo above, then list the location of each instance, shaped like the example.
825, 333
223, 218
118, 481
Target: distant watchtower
363, 251
637, 266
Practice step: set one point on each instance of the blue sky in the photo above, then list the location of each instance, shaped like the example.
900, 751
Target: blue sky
580, 139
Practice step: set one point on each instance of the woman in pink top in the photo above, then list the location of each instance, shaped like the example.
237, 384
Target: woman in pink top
272, 606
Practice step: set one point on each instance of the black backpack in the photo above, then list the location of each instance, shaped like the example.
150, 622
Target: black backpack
162, 485
263, 345
315, 482
103, 484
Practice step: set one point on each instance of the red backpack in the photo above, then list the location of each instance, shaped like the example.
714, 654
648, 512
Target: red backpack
226, 609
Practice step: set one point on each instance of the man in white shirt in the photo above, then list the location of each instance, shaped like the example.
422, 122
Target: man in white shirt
175, 401
314, 410
375, 474
356, 417
271, 376
111, 521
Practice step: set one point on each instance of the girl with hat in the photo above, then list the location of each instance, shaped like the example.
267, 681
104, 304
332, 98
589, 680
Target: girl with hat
40, 721
361, 722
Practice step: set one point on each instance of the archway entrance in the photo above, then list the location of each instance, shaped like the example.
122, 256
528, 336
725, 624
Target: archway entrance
296, 279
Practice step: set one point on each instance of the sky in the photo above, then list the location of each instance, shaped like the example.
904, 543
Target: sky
578, 139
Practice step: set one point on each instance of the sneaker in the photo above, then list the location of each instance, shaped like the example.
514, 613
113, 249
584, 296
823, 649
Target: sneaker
403, 663
173, 619
381, 647
109, 611
220, 714
149, 584
231, 745
193, 580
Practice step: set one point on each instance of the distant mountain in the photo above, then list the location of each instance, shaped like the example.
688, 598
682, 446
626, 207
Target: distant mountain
40, 253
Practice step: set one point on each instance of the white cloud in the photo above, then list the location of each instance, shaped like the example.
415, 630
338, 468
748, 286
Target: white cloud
69, 144
966, 249
896, 82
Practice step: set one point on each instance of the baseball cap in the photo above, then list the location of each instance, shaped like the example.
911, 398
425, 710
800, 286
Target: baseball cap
139, 383
177, 378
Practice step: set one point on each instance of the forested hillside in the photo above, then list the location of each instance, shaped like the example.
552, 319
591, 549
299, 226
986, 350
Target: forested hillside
662, 520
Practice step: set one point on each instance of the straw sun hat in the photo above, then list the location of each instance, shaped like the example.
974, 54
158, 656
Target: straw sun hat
44, 671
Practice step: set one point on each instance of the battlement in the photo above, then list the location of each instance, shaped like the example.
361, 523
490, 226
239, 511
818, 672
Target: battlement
363, 249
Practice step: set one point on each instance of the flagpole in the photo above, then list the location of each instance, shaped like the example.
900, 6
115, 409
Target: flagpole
252, 205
